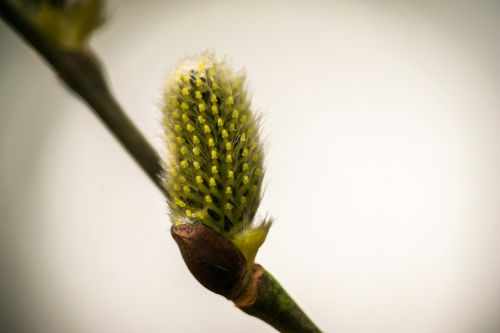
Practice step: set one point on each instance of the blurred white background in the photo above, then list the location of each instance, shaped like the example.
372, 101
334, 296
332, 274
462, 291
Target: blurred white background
383, 127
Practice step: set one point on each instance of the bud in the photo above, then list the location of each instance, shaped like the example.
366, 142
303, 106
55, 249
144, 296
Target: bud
219, 267
214, 166
67, 23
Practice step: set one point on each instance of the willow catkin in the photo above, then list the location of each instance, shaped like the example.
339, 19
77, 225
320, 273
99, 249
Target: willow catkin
214, 165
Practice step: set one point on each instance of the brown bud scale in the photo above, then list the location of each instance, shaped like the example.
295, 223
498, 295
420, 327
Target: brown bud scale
212, 259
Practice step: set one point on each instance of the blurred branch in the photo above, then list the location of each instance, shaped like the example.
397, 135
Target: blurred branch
81, 72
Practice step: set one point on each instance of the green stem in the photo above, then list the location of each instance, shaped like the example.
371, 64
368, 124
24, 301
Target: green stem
266, 299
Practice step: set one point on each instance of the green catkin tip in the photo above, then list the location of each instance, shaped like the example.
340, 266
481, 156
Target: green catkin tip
215, 156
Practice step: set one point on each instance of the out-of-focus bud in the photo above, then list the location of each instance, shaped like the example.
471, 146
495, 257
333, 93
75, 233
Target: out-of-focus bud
69, 24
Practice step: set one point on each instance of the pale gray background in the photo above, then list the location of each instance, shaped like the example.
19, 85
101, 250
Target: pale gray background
382, 121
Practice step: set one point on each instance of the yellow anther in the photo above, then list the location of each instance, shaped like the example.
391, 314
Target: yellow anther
176, 115
229, 190
201, 65
185, 91
201, 107
177, 187
237, 82
245, 152
196, 151
189, 127
179, 139
201, 214
229, 146
230, 100
215, 109
229, 206
196, 140
213, 98
173, 172
224, 134
258, 171
236, 114
214, 169
230, 174
174, 102
177, 128
211, 72
201, 119
197, 94
246, 180
243, 119
180, 203
232, 128
208, 198
188, 213
184, 106
186, 189
243, 199
185, 117
243, 137
184, 150
212, 182
185, 78
196, 165
183, 179
199, 180
199, 82
245, 166
229, 158
220, 122
213, 154
184, 164
206, 129
215, 85
211, 142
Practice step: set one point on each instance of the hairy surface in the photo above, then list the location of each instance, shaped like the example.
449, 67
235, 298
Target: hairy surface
214, 168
